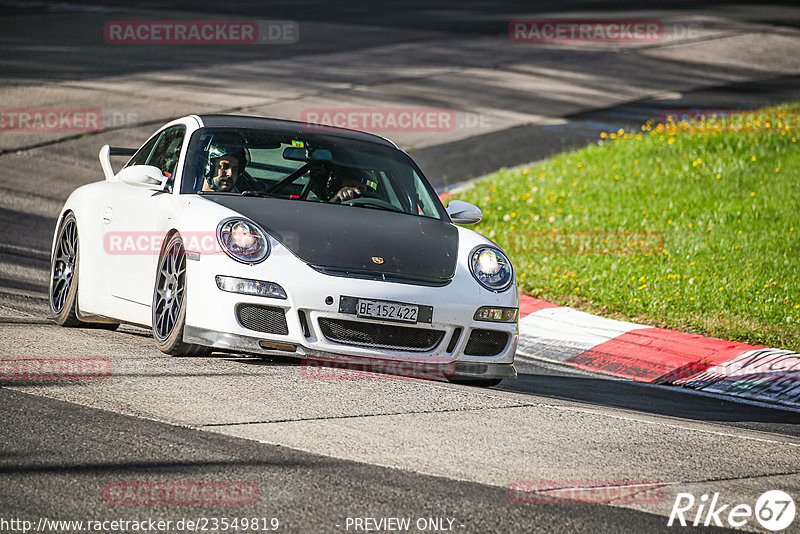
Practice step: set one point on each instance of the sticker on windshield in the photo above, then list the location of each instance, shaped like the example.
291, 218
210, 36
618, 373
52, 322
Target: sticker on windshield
298, 144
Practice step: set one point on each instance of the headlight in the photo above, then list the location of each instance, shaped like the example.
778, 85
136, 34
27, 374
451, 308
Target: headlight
491, 268
243, 240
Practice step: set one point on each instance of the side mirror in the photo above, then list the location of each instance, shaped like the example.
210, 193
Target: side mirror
143, 176
461, 212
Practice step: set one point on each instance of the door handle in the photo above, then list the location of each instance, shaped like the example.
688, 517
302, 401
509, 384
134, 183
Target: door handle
107, 212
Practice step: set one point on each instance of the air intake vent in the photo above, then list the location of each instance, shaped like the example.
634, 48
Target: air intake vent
304, 323
453, 340
380, 335
266, 319
486, 343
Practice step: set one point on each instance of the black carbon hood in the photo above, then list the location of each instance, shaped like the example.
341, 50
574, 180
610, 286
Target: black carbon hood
353, 239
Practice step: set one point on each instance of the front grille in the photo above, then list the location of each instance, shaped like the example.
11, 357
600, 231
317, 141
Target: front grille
486, 343
265, 319
380, 335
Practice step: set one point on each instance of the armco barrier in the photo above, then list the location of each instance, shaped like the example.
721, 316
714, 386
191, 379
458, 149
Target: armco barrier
655, 355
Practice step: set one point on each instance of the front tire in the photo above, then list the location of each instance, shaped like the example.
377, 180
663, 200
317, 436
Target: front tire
169, 302
64, 274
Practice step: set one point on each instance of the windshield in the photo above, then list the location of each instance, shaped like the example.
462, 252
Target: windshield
307, 168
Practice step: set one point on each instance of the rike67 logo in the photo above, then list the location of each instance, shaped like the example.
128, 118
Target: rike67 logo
774, 510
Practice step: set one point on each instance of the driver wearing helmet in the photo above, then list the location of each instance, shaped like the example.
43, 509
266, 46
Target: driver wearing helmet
341, 185
351, 188
225, 167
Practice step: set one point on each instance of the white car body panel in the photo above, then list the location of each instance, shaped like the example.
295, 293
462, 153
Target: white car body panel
120, 286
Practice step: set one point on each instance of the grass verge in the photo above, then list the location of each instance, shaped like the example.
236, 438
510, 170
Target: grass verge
690, 226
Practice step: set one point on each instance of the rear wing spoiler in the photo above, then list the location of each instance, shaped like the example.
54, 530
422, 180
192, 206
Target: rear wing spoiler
105, 158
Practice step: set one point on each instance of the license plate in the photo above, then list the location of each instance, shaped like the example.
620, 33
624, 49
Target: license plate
390, 311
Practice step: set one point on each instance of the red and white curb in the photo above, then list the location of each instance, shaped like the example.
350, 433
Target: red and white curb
563, 335
567, 336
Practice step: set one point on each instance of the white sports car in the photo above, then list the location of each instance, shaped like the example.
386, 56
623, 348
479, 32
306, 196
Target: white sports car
277, 237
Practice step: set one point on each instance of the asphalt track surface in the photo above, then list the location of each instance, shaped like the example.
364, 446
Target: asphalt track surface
322, 451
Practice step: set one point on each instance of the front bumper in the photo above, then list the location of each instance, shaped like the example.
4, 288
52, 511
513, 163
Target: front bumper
211, 317
448, 371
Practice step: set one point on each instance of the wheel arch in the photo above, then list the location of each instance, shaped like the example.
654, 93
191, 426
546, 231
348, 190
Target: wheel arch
171, 232
61, 216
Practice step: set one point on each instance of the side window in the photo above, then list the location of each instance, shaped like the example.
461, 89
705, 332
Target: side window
141, 157
168, 150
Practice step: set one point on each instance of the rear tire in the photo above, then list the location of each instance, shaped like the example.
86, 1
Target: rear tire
169, 302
